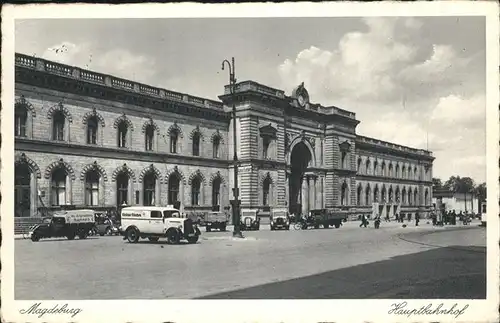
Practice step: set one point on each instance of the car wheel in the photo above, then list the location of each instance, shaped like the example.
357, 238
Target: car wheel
101, 234
70, 236
35, 237
337, 225
208, 228
108, 231
132, 235
192, 239
223, 228
173, 237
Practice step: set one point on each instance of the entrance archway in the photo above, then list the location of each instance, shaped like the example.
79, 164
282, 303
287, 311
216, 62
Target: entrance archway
300, 159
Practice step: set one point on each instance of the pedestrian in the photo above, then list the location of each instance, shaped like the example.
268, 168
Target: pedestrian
364, 222
434, 218
417, 218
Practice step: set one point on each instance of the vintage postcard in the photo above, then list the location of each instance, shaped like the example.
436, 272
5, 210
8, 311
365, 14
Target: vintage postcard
295, 162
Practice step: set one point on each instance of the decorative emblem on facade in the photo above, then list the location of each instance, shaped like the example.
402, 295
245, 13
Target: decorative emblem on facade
301, 95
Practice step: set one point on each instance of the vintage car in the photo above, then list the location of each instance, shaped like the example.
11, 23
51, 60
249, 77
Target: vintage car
279, 219
155, 222
322, 217
249, 220
105, 226
215, 220
64, 224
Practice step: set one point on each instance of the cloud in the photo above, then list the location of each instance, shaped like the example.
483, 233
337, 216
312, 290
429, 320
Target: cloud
118, 62
403, 90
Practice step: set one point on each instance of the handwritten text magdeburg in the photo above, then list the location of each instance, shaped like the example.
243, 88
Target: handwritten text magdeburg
37, 309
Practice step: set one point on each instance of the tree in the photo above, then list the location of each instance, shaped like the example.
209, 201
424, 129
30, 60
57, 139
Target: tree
461, 185
480, 192
436, 183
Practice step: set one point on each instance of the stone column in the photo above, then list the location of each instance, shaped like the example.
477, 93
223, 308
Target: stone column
304, 199
181, 195
312, 195
33, 194
69, 192
287, 189
323, 195
102, 193
130, 192
157, 192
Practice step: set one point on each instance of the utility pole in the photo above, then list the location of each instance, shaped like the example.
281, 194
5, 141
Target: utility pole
236, 201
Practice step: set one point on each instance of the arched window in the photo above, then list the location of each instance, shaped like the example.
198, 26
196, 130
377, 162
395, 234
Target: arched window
122, 134
173, 188
375, 168
174, 136
359, 196
196, 144
149, 188
359, 165
397, 170
367, 195
427, 201
398, 198
266, 189
390, 195
416, 200
415, 173
368, 170
22, 190
344, 159
403, 172
216, 147
410, 196
391, 174
216, 194
383, 198
20, 120
375, 194
122, 188
344, 194
410, 174
403, 193
195, 191
92, 127
59, 187
58, 124
383, 169
92, 188
149, 136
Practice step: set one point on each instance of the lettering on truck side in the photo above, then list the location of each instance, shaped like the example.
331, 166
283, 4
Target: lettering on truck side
138, 215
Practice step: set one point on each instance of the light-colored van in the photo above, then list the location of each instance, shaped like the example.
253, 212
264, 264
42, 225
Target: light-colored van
155, 222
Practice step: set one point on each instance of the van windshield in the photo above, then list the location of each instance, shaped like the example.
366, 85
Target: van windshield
171, 214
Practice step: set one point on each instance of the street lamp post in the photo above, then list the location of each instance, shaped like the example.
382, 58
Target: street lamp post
236, 213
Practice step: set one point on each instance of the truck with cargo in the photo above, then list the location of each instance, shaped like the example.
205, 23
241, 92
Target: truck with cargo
67, 224
216, 220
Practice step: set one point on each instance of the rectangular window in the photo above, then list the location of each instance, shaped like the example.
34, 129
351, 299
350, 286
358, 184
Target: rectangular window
156, 214
91, 136
149, 143
92, 194
20, 126
216, 149
59, 132
196, 147
265, 147
173, 144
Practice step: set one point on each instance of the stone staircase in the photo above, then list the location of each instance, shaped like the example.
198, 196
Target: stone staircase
22, 225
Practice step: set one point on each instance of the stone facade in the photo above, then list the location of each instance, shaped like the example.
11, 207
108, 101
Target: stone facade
85, 139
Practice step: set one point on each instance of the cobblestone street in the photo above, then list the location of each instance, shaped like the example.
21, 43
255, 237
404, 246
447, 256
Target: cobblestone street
110, 268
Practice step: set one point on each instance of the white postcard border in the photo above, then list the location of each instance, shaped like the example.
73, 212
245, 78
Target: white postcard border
251, 310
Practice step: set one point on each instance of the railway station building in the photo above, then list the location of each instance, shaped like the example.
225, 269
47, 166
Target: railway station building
89, 140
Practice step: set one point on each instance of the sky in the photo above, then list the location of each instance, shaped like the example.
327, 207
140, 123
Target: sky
414, 81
